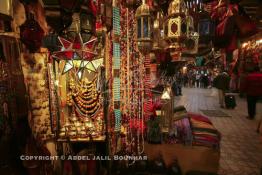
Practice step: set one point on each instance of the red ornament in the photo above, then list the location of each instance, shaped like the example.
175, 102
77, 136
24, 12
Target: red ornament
31, 34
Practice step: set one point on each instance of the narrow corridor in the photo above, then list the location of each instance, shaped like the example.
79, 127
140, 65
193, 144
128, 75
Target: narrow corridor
241, 147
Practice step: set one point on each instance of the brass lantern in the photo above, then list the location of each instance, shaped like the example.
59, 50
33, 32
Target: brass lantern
205, 28
191, 42
190, 23
144, 28
159, 43
176, 25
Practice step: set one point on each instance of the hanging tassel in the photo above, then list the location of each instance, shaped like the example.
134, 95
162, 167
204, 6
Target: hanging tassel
93, 7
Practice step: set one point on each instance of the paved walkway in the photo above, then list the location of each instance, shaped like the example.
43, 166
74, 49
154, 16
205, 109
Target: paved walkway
241, 145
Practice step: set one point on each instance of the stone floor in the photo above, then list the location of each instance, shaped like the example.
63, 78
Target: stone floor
241, 145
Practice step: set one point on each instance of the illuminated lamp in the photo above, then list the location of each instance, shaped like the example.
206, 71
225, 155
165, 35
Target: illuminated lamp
175, 27
144, 28
158, 33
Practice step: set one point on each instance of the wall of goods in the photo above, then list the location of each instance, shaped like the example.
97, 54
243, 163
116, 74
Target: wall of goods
88, 79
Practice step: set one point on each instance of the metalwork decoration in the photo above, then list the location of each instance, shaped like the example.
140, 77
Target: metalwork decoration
87, 23
158, 33
191, 43
205, 27
144, 28
78, 55
176, 26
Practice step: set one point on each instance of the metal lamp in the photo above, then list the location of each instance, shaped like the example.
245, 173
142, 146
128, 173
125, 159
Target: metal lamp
166, 94
191, 42
144, 28
176, 26
158, 43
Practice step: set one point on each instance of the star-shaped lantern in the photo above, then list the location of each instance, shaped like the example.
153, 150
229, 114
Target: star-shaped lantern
78, 55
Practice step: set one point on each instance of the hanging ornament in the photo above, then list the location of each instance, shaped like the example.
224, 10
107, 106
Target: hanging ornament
144, 28
31, 34
87, 23
191, 42
176, 27
206, 28
158, 33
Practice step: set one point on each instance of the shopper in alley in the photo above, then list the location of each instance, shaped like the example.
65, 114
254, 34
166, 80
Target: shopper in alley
253, 88
221, 82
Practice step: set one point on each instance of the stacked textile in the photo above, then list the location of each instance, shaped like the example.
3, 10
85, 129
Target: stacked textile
183, 133
203, 131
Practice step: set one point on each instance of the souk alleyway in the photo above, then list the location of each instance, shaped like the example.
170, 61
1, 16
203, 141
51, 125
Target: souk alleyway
241, 145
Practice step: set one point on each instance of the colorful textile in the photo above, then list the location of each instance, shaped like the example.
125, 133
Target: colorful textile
182, 131
203, 132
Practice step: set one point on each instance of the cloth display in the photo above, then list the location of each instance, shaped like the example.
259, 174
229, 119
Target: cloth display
203, 132
182, 131
179, 113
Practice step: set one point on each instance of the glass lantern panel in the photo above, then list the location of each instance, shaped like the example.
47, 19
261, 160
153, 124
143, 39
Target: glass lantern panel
139, 26
174, 27
146, 28
204, 27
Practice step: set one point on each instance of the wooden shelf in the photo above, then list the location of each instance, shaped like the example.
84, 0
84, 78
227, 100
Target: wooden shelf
87, 139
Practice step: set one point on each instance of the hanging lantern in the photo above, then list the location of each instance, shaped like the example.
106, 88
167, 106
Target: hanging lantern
144, 28
205, 27
87, 23
158, 34
176, 26
31, 34
190, 23
191, 42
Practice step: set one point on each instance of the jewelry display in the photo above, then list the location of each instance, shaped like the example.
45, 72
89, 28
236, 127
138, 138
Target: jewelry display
84, 97
86, 129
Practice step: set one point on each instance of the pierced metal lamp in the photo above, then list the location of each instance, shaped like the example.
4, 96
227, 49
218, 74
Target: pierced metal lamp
144, 28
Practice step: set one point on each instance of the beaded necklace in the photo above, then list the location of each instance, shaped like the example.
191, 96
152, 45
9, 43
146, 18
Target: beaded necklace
116, 67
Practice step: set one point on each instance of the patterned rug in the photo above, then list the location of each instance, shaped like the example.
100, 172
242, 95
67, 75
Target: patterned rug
214, 113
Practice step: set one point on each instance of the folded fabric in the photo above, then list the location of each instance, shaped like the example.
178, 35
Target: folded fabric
199, 117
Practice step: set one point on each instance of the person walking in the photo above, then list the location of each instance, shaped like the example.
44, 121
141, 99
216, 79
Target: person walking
221, 82
253, 88
197, 80
179, 84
